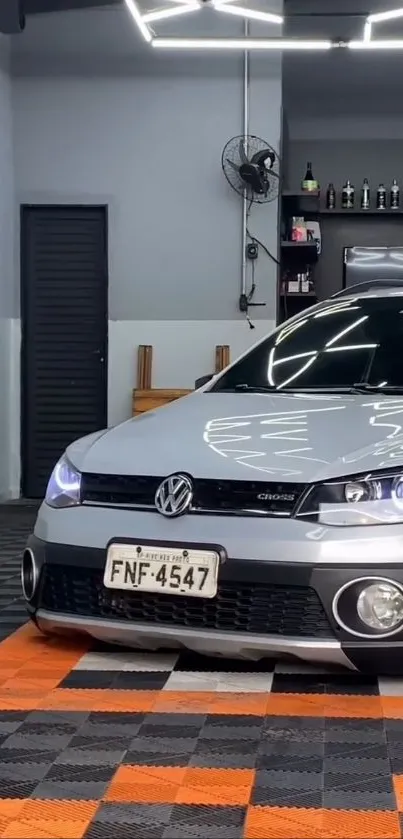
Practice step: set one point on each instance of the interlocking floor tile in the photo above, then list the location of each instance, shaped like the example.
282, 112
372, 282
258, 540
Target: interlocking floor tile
124, 821
346, 732
102, 742
220, 682
125, 680
205, 822
127, 661
365, 792
349, 684
160, 751
48, 819
70, 790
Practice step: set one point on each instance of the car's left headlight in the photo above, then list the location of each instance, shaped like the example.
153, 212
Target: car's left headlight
64, 486
376, 498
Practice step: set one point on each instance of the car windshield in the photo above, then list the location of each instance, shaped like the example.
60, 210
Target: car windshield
346, 343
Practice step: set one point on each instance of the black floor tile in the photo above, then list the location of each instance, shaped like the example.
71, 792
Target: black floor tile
272, 797
353, 684
98, 830
65, 772
353, 750
301, 764
88, 679
135, 680
15, 789
204, 664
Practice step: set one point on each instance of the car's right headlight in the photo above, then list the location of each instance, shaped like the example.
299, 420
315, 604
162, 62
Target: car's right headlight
64, 486
375, 498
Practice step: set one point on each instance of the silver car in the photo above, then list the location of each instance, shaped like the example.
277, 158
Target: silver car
260, 516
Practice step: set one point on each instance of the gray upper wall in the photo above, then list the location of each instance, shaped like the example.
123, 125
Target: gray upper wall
6, 264
337, 160
344, 147
148, 142
6, 184
341, 83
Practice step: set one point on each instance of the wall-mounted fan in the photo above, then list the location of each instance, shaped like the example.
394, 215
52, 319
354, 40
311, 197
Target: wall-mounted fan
251, 167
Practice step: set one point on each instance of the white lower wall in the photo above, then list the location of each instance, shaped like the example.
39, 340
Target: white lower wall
10, 462
182, 351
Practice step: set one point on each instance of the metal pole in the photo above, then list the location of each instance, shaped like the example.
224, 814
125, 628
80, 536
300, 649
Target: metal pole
245, 134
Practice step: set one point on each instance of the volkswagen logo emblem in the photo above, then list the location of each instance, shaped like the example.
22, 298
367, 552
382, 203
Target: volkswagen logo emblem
174, 495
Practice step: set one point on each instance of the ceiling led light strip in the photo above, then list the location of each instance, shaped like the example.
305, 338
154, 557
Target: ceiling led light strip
379, 17
138, 19
376, 45
239, 44
164, 14
367, 31
182, 7
368, 43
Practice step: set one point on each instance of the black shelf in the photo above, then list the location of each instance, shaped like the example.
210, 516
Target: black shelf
314, 199
296, 195
287, 243
357, 211
301, 250
300, 294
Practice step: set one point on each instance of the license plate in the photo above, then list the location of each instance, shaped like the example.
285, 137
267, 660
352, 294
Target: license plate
164, 570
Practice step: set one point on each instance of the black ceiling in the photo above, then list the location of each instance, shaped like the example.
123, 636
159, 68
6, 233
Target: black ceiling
38, 6
342, 8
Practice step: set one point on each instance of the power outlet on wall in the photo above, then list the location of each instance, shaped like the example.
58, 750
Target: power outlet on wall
252, 250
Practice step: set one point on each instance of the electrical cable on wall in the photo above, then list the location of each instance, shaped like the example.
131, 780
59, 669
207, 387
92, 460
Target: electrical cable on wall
251, 167
252, 255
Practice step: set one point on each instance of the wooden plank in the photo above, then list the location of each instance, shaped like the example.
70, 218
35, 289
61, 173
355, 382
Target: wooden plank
222, 357
144, 366
148, 368
152, 398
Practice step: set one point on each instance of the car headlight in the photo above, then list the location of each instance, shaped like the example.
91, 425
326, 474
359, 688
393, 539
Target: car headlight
370, 607
363, 500
380, 606
64, 485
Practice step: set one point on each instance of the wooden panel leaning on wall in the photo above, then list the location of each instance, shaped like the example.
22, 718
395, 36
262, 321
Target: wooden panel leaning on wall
147, 398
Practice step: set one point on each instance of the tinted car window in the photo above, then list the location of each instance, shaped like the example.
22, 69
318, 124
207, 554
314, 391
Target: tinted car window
337, 344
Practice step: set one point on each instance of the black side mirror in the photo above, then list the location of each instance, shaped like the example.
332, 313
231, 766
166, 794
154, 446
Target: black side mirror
203, 380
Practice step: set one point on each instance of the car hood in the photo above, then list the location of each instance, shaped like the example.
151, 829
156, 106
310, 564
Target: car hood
252, 437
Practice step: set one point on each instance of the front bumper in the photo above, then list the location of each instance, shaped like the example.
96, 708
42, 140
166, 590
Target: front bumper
300, 595
207, 642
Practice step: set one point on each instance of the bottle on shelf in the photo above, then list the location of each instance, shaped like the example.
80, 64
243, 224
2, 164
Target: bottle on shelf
394, 195
381, 198
365, 195
304, 281
298, 229
347, 196
331, 197
309, 184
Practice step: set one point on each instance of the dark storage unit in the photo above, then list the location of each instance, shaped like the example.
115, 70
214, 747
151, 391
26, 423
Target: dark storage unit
296, 258
64, 294
340, 229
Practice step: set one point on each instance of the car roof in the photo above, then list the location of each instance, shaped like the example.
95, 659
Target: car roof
372, 288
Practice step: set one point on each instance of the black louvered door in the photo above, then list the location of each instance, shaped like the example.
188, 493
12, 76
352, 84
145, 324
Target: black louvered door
64, 305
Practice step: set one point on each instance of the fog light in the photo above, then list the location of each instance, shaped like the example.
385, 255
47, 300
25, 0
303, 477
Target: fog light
380, 606
29, 574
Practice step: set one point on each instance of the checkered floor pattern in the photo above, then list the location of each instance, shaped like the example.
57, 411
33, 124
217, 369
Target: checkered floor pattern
99, 742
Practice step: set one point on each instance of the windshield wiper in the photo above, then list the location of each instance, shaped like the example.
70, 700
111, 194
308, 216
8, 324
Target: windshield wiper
365, 387
284, 390
249, 389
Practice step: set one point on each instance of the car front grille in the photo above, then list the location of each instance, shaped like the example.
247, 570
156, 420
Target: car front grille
216, 496
238, 607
